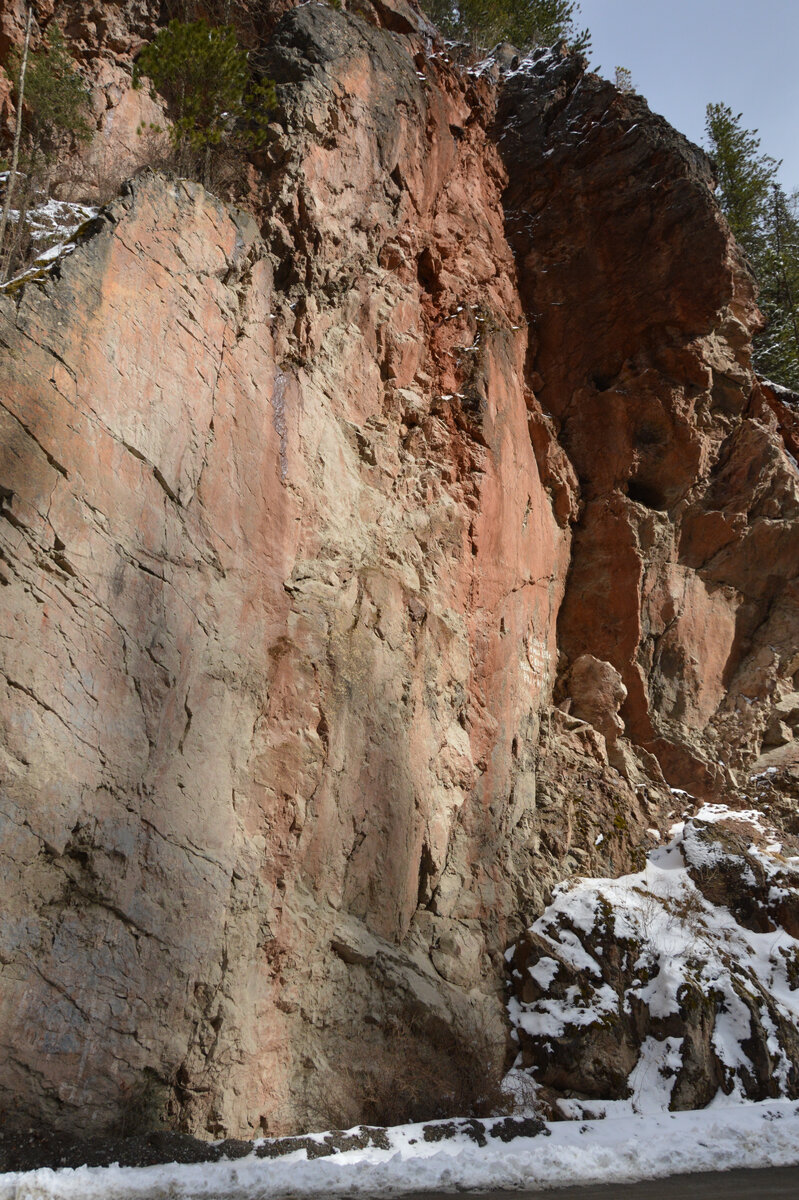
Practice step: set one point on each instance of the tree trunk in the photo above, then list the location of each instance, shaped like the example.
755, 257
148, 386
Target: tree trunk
12, 175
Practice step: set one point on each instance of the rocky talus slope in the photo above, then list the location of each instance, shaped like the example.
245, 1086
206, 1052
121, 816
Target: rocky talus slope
368, 565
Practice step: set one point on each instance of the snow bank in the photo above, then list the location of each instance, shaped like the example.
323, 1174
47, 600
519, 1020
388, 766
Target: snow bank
621, 1150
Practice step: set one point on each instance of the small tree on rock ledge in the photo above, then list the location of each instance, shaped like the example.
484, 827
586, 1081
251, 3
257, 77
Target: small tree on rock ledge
765, 221
203, 74
52, 103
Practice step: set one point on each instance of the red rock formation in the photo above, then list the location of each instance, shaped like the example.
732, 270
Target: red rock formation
685, 557
285, 533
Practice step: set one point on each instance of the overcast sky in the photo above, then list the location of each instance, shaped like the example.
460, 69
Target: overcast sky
684, 54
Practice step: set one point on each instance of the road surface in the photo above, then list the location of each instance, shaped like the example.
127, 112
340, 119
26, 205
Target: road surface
775, 1183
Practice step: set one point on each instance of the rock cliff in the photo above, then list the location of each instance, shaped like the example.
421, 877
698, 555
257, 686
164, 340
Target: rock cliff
370, 563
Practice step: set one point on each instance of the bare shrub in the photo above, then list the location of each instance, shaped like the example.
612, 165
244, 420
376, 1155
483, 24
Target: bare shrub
252, 19
99, 176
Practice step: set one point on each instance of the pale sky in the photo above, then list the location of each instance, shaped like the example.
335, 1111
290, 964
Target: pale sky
684, 54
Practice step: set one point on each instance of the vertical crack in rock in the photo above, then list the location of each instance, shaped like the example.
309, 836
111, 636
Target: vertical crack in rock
279, 420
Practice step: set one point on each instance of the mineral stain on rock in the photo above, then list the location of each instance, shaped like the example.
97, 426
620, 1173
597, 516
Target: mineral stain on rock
368, 568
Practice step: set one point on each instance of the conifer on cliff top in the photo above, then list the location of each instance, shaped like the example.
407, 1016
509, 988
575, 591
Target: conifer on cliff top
526, 23
765, 223
204, 75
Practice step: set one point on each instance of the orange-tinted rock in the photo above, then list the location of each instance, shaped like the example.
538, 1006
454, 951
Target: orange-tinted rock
293, 629
597, 693
785, 406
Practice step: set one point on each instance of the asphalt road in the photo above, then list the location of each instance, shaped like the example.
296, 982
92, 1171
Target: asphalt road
776, 1183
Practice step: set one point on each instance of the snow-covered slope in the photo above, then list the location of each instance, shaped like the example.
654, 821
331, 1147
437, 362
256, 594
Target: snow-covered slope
670, 987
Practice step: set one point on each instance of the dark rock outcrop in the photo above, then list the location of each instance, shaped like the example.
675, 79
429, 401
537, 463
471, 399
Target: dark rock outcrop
684, 566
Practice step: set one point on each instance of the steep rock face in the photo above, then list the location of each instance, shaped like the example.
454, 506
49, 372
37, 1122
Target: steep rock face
285, 535
291, 622
683, 574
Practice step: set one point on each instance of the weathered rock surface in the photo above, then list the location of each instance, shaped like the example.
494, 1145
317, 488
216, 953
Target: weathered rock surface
272, 565
308, 522
596, 693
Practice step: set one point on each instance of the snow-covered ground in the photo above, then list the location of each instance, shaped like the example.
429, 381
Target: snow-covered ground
569, 1152
52, 226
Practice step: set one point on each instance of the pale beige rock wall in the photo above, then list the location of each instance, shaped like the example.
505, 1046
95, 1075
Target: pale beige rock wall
281, 599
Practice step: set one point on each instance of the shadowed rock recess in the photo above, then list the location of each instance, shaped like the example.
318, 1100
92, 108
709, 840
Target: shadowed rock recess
367, 569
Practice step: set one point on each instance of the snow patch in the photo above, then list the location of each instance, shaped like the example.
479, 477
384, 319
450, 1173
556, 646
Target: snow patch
676, 953
52, 227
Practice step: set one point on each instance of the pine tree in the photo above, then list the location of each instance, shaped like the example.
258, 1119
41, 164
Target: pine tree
52, 113
526, 23
203, 74
11, 179
745, 176
765, 222
56, 97
624, 79
777, 348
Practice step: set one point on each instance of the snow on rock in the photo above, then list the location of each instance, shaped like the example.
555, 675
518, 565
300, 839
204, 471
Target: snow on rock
673, 987
57, 220
52, 227
786, 395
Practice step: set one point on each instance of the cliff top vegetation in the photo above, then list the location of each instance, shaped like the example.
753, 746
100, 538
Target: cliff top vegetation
526, 23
